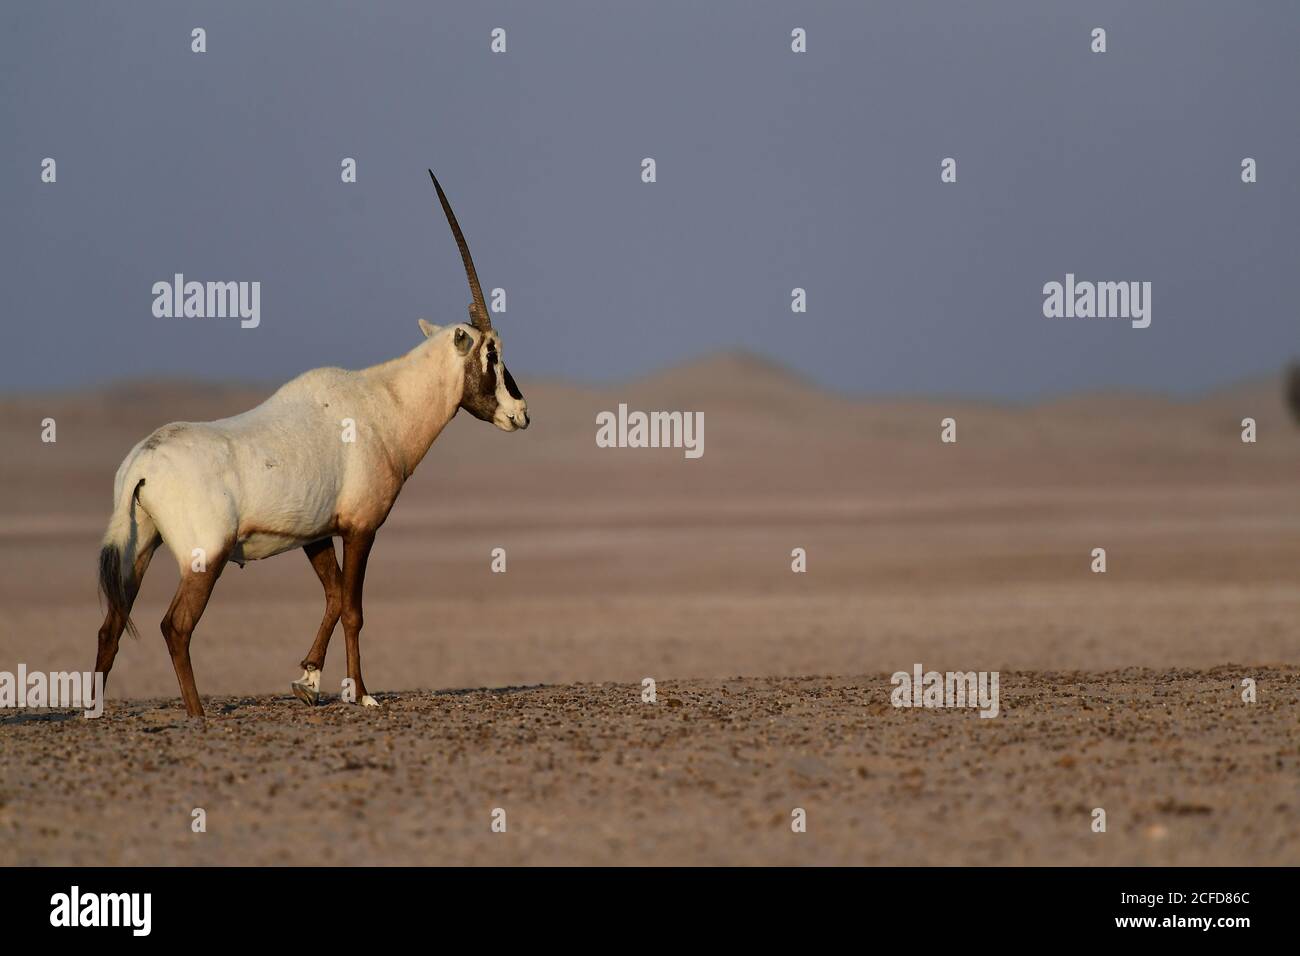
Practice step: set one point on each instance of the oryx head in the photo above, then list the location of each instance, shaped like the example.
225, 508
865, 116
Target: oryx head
490, 392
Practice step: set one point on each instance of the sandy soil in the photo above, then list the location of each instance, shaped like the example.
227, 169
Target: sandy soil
708, 774
624, 564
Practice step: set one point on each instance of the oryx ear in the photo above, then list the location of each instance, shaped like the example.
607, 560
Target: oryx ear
464, 341
429, 329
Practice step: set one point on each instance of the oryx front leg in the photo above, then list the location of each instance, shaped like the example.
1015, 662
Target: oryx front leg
356, 551
326, 565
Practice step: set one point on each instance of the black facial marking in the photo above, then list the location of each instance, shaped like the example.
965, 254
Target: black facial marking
511, 387
480, 397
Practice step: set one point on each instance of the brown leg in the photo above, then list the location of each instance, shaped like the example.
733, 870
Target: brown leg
322, 558
356, 551
186, 608
110, 634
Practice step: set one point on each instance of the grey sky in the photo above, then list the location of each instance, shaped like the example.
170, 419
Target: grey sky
775, 170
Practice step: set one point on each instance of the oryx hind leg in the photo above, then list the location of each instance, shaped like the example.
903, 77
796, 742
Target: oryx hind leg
325, 563
183, 616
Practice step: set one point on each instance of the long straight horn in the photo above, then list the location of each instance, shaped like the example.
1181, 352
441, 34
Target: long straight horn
478, 313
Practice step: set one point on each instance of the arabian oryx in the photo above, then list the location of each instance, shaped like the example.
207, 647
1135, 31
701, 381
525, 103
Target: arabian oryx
287, 474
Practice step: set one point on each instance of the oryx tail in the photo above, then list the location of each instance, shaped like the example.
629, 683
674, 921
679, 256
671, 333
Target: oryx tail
117, 556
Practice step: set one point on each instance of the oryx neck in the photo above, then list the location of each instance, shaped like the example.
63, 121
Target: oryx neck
421, 393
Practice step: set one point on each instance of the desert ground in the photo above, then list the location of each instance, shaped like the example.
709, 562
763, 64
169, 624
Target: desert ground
522, 691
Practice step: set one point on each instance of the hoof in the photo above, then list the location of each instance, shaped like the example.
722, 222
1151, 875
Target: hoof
307, 687
369, 701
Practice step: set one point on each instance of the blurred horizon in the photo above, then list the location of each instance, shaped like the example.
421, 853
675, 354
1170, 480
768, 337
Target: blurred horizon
726, 366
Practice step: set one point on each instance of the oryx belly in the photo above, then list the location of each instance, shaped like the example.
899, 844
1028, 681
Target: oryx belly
265, 545
285, 503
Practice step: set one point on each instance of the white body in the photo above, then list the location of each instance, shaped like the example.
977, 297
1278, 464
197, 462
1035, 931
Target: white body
282, 475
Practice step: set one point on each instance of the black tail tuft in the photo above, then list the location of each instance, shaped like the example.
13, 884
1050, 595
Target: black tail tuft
112, 586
